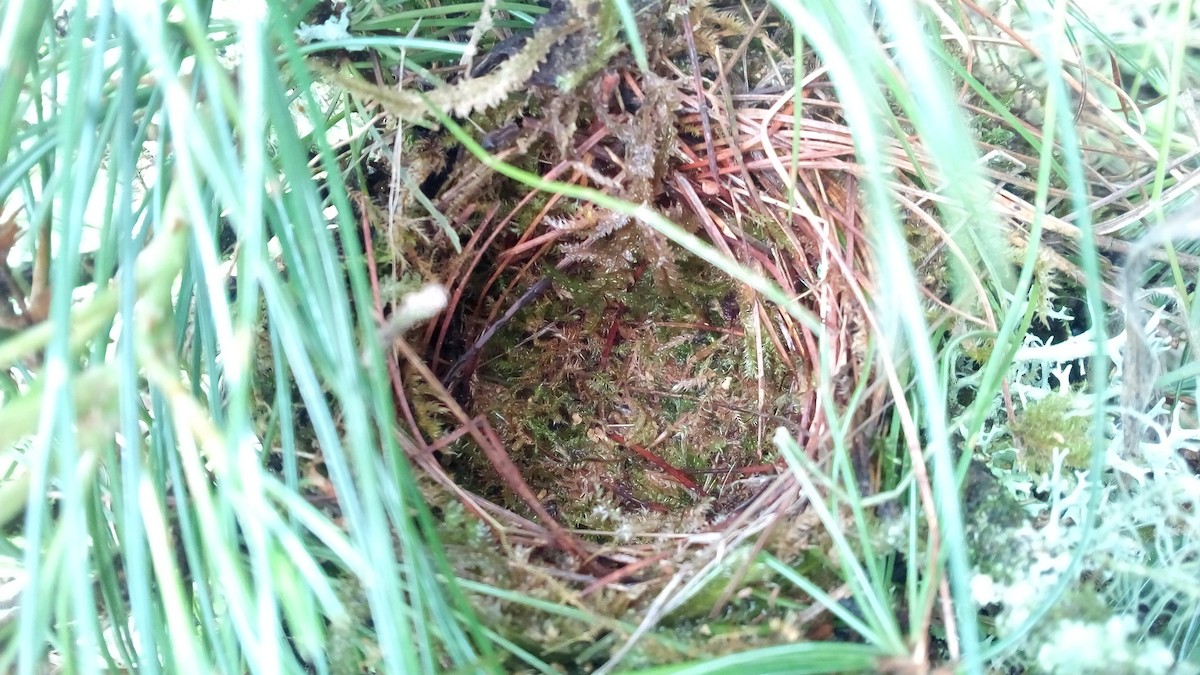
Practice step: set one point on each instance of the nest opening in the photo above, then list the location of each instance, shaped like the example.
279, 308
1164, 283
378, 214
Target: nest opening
626, 398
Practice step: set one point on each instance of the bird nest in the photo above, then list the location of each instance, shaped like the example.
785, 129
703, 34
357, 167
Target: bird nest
603, 399
595, 410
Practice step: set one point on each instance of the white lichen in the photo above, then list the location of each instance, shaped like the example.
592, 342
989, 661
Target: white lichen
334, 28
1112, 646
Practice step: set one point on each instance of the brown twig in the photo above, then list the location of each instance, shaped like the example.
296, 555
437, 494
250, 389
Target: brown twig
661, 463
485, 437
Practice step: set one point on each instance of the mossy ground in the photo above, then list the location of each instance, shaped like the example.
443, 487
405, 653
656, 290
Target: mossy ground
607, 367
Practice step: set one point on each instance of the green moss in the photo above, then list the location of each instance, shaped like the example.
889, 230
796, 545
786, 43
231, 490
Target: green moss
998, 136
1053, 424
612, 357
992, 515
978, 350
700, 605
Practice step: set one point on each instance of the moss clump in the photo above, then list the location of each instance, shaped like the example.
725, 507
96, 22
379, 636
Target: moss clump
992, 515
610, 367
1056, 423
978, 350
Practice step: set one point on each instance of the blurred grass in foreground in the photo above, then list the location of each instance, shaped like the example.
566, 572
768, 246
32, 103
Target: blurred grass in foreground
164, 191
